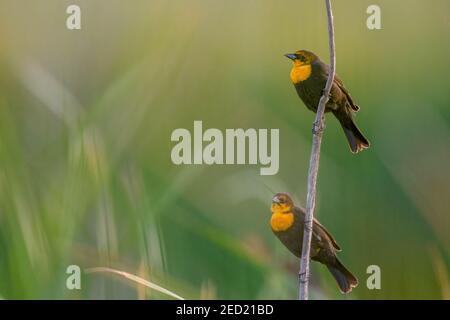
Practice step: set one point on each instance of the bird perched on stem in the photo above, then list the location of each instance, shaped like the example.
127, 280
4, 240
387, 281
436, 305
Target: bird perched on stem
309, 76
287, 224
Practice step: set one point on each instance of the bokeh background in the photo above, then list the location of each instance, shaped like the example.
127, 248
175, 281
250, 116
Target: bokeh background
85, 170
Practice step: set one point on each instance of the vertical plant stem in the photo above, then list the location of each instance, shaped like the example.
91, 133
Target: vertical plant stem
318, 127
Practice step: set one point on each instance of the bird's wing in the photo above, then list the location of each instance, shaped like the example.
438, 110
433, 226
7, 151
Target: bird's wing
318, 229
338, 82
322, 228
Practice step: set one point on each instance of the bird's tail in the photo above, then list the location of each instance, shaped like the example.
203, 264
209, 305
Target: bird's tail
355, 138
345, 279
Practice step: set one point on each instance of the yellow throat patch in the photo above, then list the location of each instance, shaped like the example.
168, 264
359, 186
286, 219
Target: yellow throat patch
300, 72
281, 221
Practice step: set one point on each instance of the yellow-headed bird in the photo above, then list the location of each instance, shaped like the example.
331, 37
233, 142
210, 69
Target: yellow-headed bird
287, 224
309, 76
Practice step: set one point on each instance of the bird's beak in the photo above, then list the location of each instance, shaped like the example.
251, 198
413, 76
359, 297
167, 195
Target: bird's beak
291, 56
276, 200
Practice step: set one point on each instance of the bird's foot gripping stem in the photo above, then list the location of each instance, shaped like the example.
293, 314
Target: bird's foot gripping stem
318, 126
323, 94
308, 226
303, 277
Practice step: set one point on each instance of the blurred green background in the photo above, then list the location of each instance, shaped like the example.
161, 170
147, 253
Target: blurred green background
85, 124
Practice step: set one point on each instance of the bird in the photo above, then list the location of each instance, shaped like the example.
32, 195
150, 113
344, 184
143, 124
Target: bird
287, 223
309, 76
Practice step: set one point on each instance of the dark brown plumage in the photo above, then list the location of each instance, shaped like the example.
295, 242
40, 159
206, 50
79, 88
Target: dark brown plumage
287, 224
309, 76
